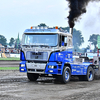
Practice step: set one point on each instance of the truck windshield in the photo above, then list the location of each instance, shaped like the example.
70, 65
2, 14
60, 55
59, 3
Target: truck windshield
40, 39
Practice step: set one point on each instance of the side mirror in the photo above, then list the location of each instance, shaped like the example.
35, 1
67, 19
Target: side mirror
65, 40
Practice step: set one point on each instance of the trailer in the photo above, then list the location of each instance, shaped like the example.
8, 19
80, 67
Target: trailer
48, 52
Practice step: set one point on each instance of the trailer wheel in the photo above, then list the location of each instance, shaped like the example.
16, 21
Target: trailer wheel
32, 76
65, 77
90, 74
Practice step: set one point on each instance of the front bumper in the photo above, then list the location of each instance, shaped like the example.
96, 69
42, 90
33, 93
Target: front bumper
41, 68
36, 67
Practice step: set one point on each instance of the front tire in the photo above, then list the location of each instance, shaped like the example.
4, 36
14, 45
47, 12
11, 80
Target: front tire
66, 75
32, 76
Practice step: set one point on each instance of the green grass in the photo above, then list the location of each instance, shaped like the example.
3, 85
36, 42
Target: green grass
12, 58
9, 68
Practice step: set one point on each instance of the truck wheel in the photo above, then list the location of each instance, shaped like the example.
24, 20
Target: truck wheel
65, 77
32, 76
90, 74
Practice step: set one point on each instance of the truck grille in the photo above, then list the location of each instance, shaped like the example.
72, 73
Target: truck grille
36, 67
36, 56
36, 70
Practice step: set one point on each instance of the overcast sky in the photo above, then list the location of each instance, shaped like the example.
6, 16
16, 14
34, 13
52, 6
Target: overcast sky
18, 15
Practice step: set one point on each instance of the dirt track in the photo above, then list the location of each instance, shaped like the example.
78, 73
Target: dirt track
15, 86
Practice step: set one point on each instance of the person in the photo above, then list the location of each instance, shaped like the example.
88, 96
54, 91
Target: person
62, 43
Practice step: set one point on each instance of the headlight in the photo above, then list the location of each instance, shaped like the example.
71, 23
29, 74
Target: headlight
22, 69
22, 65
51, 67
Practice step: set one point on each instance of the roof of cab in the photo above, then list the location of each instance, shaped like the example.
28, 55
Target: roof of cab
49, 30
41, 31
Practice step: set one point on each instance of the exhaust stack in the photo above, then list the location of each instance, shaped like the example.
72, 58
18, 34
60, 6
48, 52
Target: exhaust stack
71, 31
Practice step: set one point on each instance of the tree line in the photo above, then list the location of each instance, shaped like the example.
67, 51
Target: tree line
13, 42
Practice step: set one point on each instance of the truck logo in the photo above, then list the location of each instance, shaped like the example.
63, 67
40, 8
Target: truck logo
36, 57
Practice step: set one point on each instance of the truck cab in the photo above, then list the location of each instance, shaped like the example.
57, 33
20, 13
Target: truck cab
48, 51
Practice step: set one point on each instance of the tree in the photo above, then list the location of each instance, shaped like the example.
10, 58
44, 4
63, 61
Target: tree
42, 25
77, 39
65, 28
93, 40
88, 47
11, 41
3, 40
17, 43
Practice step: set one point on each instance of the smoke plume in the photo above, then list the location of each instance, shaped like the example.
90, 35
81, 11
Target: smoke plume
77, 8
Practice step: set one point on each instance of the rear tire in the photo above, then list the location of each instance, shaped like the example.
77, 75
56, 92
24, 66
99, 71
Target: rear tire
90, 74
32, 76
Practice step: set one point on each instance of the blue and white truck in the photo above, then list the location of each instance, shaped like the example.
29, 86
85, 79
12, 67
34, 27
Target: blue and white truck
48, 51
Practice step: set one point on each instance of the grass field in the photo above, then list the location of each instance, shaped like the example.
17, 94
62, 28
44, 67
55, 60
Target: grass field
9, 68
12, 58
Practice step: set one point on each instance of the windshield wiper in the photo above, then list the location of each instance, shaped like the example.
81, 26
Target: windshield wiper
45, 46
36, 45
30, 45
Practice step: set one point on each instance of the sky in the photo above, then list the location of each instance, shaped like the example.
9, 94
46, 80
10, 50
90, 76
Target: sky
18, 15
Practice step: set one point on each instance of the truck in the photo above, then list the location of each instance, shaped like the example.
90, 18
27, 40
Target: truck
49, 52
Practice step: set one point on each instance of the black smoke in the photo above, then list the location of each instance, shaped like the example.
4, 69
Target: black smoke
77, 8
